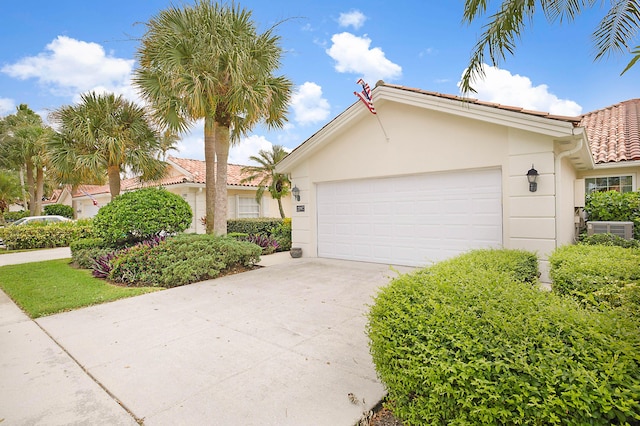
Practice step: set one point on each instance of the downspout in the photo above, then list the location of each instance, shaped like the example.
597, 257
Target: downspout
558, 177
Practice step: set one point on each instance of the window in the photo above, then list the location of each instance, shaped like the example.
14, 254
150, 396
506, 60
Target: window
609, 183
248, 207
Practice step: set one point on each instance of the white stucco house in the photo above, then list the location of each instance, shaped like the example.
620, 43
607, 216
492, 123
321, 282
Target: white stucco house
186, 178
431, 175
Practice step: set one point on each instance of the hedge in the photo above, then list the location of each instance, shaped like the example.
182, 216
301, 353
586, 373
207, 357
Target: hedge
615, 206
44, 236
598, 276
279, 229
180, 260
59, 209
472, 341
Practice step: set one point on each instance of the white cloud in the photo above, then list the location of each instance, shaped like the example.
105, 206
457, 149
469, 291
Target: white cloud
7, 106
500, 86
70, 66
354, 18
240, 153
308, 104
354, 55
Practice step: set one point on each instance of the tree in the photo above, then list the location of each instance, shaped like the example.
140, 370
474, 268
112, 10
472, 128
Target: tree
615, 33
209, 62
23, 139
104, 133
277, 183
9, 191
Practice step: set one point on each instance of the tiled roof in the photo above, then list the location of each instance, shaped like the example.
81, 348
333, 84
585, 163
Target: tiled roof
614, 132
195, 174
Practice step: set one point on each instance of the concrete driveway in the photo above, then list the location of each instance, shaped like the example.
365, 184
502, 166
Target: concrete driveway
281, 345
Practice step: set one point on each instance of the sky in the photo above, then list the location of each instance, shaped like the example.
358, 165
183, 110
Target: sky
53, 51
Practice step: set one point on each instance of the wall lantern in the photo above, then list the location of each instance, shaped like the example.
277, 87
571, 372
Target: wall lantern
296, 193
532, 175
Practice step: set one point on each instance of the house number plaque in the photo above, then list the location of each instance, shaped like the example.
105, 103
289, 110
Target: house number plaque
299, 209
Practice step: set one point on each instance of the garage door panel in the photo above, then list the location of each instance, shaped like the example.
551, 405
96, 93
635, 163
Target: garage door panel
410, 220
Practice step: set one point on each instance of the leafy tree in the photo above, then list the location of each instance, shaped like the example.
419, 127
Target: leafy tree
615, 33
23, 139
277, 183
209, 62
104, 134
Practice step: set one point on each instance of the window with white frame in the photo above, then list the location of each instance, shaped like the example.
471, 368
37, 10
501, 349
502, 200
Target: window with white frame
248, 207
609, 183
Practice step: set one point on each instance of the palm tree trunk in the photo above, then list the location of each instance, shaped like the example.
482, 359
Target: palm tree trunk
31, 188
210, 173
39, 190
25, 200
222, 155
114, 180
280, 207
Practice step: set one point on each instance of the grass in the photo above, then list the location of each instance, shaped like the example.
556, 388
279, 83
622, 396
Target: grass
45, 288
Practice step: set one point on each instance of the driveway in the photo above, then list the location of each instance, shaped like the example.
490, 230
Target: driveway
280, 345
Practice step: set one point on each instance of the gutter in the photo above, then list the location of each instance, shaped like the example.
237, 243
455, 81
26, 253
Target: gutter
558, 176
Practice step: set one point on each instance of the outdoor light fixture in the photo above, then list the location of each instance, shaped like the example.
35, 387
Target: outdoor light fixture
532, 175
296, 193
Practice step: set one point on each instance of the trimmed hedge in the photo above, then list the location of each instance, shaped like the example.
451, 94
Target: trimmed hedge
615, 206
44, 235
139, 215
180, 260
255, 228
85, 251
472, 341
598, 276
59, 209
13, 216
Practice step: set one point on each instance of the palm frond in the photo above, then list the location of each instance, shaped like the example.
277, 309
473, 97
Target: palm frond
618, 28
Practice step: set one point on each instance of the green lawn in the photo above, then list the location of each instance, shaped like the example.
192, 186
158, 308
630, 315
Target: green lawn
45, 288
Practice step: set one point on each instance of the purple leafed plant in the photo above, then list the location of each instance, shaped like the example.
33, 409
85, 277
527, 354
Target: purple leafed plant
268, 243
102, 266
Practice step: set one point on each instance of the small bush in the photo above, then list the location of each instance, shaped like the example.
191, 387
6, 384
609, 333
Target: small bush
44, 235
615, 206
85, 252
13, 216
181, 259
139, 215
600, 277
463, 343
610, 240
256, 226
282, 234
59, 209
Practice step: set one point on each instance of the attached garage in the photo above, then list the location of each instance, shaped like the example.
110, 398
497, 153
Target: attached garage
431, 176
410, 220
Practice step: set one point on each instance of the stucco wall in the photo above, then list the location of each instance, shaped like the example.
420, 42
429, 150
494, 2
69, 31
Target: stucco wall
424, 141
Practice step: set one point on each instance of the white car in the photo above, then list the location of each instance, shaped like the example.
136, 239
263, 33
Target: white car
31, 220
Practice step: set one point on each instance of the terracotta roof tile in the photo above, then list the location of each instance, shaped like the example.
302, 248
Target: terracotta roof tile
614, 132
196, 172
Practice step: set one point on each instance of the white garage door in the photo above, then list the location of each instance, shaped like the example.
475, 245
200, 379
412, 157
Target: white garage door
410, 220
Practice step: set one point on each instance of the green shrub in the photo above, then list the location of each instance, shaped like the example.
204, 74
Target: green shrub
139, 215
181, 259
44, 235
85, 251
253, 226
13, 216
282, 234
461, 343
601, 277
609, 240
615, 206
59, 209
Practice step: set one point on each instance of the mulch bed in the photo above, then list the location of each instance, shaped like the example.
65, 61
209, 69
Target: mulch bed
384, 417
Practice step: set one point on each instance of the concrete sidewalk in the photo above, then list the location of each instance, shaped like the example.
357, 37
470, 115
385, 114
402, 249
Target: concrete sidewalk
280, 345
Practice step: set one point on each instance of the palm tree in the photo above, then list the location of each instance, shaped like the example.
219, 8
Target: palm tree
104, 133
23, 139
9, 191
209, 62
615, 33
277, 183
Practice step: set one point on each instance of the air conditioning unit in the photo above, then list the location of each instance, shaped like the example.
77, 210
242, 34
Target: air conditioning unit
621, 229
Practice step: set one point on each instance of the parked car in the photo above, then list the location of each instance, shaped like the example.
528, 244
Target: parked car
31, 220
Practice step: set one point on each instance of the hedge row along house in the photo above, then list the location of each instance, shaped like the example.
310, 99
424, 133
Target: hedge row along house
428, 176
186, 178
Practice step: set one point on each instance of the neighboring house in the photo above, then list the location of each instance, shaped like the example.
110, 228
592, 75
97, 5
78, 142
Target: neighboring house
187, 178
452, 176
